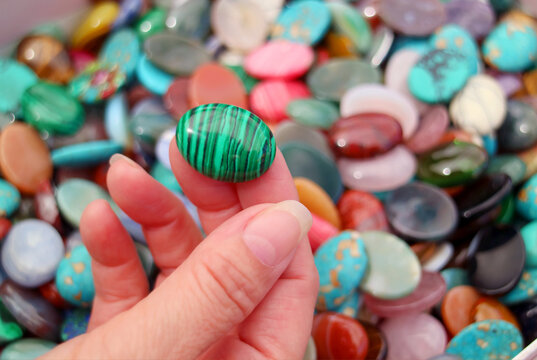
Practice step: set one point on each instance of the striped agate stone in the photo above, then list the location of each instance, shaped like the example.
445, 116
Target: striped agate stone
225, 142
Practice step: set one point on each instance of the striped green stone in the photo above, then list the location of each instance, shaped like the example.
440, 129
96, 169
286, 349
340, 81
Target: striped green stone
225, 142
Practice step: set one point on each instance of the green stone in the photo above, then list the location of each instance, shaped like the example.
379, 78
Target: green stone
49, 107
15, 78
9, 329
313, 113
452, 164
511, 165
349, 22
26, 349
507, 210
151, 23
225, 142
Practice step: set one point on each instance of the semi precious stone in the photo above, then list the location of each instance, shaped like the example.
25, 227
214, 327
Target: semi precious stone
153, 78
519, 130
529, 234
311, 351
433, 124
122, 49
50, 292
350, 23
320, 231
97, 23
27, 349
361, 211
10, 199
489, 308
317, 200
176, 97
455, 277
85, 154
380, 47
415, 18
98, 81
441, 256
291, 132
214, 83
378, 346
269, 99
351, 305
116, 118
475, 16
190, 19
225, 142
510, 165
457, 307
150, 23
526, 204
74, 278
15, 78
75, 323
313, 113
525, 289
456, 38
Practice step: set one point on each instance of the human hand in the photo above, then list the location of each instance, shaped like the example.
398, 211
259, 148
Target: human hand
245, 292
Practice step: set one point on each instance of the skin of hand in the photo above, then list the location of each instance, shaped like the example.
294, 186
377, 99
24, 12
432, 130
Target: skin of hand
247, 291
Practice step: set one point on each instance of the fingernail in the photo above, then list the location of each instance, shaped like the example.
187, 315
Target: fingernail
117, 157
274, 233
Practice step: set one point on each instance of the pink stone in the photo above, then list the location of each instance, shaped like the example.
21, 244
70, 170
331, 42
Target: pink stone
81, 59
269, 98
432, 127
381, 173
320, 231
429, 292
414, 337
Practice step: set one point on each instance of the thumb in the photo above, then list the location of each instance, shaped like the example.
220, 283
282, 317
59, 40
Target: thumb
213, 291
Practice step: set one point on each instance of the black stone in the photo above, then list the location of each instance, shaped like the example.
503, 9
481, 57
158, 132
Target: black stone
526, 314
519, 130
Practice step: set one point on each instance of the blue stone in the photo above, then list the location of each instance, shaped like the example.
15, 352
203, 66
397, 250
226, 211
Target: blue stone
529, 234
15, 78
128, 12
341, 263
10, 198
304, 21
154, 79
74, 323
524, 290
116, 120
74, 278
85, 154
351, 305
31, 252
455, 277
526, 201
454, 37
490, 142
122, 48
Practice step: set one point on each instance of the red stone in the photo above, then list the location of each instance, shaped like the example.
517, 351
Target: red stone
176, 98
362, 211
80, 59
432, 127
5, 226
45, 205
365, 135
50, 292
269, 99
320, 231
339, 337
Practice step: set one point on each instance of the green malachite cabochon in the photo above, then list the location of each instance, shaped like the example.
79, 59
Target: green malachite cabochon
225, 142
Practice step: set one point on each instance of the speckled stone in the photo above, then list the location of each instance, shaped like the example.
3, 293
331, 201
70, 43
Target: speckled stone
75, 323
525, 289
74, 278
526, 201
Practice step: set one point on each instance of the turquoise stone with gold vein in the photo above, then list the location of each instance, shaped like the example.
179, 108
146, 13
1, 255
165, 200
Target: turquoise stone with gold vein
225, 142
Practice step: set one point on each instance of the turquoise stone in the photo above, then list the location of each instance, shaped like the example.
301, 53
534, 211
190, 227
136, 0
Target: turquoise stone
122, 49
438, 76
525, 289
225, 142
15, 78
454, 37
49, 107
165, 176
10, 199
304, 21
85, 154
154, 79
341, 263
350, 23
75, 323
26, 349
490, 143
529, 234
74, 278
511, 165
74, 195
455, 277
116, 120
526, 202
312, 112
511, 46
489, 339
351, 305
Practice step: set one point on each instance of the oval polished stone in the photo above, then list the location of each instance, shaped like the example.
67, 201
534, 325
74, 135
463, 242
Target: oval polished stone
214, 83
31, 311
176, 97
510, 165
421, 212
317, 200
414, 337
519, 130
27, 349
487, 339
429, 292
433, 124
85, 154
339, 337
151, 23
24, 157
378, 346
31, 253
15, 78
457, 307
475, 16
47, 57
292, 132
381, 173
365, 135
306, 161
150, 76
313, 113
351, 305
488, 308
415, 18
394, 270
116, 118
341, 263
49, 107
331, 80
190, 19
213, 138
269, 99
10, 199
279, 59
383, 38
454, 37
441, 256
452, 164
122, 49
97, 82
480, 107
175, 54
361, 211
96, 23
503, 247
524, 290
74, 278
350, 23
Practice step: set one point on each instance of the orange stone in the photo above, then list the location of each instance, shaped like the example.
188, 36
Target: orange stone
488, 308
214, 83
340, 46
317, 201
457, 308
24, 157
530, 82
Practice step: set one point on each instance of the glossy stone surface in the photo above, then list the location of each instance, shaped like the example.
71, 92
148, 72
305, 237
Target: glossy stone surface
525, 289
441, 256
519, 130
292, 132
31, 252
269, 99
304, 22
480, 107
421, 212
116, 119
414, 337
317, 200
351, 305
457, 307
149, 119
10, 199
341, 262
150, 23
175, 54
486, 339
150, 76
24, 158
415, 18
214, 83
313, 113
475, 16
510, 165
350, 23
381, 173
26, 349
306, 161
429, 80
432, 125
122, 49
382, 41
361, 211
15, 78
97, 82
190, 19
331, 80
47, 57
85, 154
378, 346
31, 311
502, 246
339, 337
75, 323
526, 204
74, 279
429, 292
97, 22
511, 46
452, 164
394, 270
365, 135
454, 37
214, 137
488, 308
